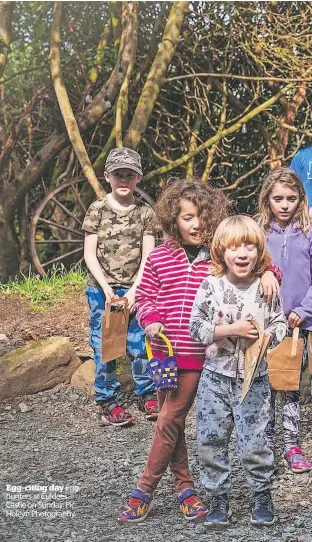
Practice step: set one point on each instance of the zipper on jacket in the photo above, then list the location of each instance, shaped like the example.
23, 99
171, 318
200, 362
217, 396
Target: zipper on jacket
189, 270
284, 245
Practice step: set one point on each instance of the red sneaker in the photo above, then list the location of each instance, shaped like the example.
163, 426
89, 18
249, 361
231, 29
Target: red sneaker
296, 460
149, 405
115, 415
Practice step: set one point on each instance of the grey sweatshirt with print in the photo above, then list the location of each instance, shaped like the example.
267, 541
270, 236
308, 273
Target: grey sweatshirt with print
219, 302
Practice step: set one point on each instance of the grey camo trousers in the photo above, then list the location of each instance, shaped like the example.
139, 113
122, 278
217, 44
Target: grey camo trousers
218, 412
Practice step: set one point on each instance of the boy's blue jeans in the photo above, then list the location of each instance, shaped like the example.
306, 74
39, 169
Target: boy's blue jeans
106, 384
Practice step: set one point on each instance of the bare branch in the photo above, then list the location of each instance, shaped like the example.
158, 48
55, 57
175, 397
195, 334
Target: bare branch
236, 126
64, 103
156, 75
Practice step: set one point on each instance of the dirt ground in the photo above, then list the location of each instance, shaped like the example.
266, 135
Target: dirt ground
65, 478
69, 318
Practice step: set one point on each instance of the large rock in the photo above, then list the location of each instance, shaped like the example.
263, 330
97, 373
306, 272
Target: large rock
83, 377
38, 366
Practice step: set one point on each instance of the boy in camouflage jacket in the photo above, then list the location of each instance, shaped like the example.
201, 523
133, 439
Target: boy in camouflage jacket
119, 235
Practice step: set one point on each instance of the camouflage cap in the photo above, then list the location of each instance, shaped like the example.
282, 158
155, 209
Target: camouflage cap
123, 158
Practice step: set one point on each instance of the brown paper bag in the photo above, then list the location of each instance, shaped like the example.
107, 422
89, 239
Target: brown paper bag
284, 363
115, 329
253, 357
310, 351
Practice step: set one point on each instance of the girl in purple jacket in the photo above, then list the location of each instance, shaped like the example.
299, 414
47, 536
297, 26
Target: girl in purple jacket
283, 214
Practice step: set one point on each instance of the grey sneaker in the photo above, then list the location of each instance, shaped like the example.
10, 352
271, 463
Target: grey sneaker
262, 512
219, 512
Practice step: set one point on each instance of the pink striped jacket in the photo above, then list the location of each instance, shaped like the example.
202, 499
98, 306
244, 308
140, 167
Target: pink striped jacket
166, 294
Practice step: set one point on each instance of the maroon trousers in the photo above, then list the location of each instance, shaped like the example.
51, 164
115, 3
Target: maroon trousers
169, 446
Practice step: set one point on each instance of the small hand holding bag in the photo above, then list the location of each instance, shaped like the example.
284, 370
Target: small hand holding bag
163, 372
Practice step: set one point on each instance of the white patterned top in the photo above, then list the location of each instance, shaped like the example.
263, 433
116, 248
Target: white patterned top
219, 302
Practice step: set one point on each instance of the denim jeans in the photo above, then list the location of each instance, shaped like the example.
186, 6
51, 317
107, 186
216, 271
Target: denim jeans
106, 384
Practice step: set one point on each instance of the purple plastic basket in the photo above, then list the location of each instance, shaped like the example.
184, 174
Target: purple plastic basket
164, 373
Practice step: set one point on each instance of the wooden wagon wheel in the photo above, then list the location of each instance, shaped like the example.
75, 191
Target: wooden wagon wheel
55, 234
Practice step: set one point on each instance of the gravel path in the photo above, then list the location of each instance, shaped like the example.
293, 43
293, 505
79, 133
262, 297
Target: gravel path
68, 465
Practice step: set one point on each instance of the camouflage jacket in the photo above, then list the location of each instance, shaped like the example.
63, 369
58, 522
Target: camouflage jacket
120, 238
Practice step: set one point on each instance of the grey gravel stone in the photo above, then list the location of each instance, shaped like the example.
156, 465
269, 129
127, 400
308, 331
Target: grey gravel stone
74, 449
24, 407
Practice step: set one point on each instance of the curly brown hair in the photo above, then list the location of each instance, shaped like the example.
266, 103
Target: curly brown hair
211, 204
282, 175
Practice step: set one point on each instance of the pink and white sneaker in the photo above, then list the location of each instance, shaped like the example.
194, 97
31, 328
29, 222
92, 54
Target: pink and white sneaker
296, 460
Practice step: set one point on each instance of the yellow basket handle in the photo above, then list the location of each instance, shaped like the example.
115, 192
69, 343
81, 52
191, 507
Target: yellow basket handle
149, 348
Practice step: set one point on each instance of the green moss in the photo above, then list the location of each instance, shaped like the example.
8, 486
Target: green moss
31, 345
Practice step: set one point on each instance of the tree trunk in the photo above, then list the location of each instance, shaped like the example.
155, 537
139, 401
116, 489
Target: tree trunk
64, 103
157, 74
6, 13
278, 148
9, 253
130, 12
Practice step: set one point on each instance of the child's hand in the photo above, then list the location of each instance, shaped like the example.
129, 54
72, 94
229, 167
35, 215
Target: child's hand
212, 350
269, 286
108, 292
294, 320
130, 295
153, 329
245, 329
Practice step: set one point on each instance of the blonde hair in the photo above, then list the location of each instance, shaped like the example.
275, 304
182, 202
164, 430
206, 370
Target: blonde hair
236, 230
287, 177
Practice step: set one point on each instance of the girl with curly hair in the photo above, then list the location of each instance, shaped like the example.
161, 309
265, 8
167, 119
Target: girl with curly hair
188, 212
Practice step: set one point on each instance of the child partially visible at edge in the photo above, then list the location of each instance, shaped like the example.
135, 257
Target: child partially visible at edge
119, 235
284, 217
188, 212
239, 256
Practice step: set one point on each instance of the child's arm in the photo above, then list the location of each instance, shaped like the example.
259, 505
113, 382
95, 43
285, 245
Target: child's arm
269, 283
146, 295
148, 244
203, 326
303, 310
277, 324
90, 257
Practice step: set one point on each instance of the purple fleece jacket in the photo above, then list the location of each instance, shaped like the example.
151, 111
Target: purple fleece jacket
291, 250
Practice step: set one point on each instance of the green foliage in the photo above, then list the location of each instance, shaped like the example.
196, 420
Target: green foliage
43, 293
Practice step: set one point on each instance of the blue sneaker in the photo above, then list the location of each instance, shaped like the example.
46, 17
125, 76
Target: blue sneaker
262, 512
219, 512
